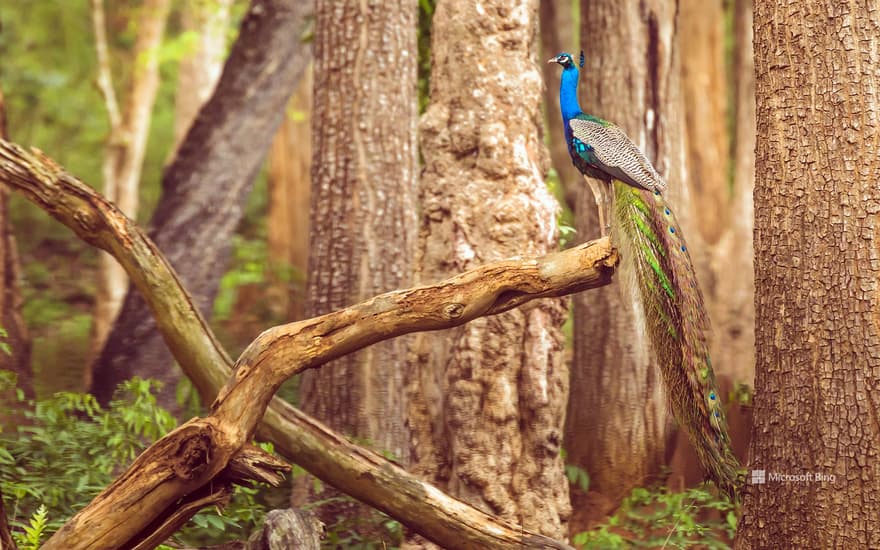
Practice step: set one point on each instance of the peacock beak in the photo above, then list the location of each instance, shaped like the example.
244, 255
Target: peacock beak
553, 60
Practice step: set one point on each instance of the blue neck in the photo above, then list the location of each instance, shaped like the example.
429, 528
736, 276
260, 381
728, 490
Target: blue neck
568, 94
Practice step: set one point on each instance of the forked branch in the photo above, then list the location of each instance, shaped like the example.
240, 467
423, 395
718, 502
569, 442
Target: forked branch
186, 461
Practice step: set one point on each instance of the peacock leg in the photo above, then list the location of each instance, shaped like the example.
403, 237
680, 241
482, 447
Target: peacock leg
602, 194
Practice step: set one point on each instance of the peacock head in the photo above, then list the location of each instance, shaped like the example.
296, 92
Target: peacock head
566, 60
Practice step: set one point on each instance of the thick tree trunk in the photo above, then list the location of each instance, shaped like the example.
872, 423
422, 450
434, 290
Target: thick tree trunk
17, 337
126, 146
487, 400
617, 422
205, 187
363, 211
290, 163
817, 234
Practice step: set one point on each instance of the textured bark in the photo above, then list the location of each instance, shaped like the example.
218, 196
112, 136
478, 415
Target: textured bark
557, 35
363, 214
487, 400
205, 188
200, 69
126, 147
17, 337
817, 269
617, 422
290, 162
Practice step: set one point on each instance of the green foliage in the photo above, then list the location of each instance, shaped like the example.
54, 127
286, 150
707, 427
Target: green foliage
658, 517
578, 477
32, 532
70, 448
426, 14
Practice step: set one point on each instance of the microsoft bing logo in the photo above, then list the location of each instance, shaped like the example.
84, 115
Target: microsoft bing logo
759, 477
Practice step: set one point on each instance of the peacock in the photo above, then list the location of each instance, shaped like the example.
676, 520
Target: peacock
651, 241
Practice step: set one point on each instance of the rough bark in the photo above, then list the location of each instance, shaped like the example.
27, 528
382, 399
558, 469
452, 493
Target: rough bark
631, 77
817, 66
492, 289
200, 69
205, 187
363, 211
287, 227
557, 35
126, 146
487, 400
17, 337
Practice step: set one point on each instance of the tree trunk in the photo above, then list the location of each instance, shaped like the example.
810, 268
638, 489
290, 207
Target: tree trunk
704, 92
290, 162
17, 337
200, 69
487, 400
722, 208
126, 146
205, 188
363, 208
617, 425
817, 66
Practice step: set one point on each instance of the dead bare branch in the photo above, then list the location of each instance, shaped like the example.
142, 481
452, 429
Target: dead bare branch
188, 459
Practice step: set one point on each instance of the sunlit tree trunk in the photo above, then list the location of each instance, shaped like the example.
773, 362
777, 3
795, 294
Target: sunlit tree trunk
363, 209
487, 399
126, 144
17, 354
200, 69
722, 206
617, 423
704, 92
289, 197
817, 236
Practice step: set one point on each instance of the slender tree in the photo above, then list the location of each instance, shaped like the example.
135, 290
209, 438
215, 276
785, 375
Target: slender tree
290, 162
363, 213
126, 144
16, 358
487, 400
631, 77
817, 66
200, 68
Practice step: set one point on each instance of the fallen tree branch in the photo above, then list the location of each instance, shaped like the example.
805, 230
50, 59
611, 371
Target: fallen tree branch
190, 457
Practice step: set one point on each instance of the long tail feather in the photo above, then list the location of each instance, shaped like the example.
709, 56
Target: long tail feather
651, 240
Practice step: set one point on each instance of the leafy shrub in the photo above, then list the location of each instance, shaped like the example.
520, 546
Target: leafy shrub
658, 517
70, 448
